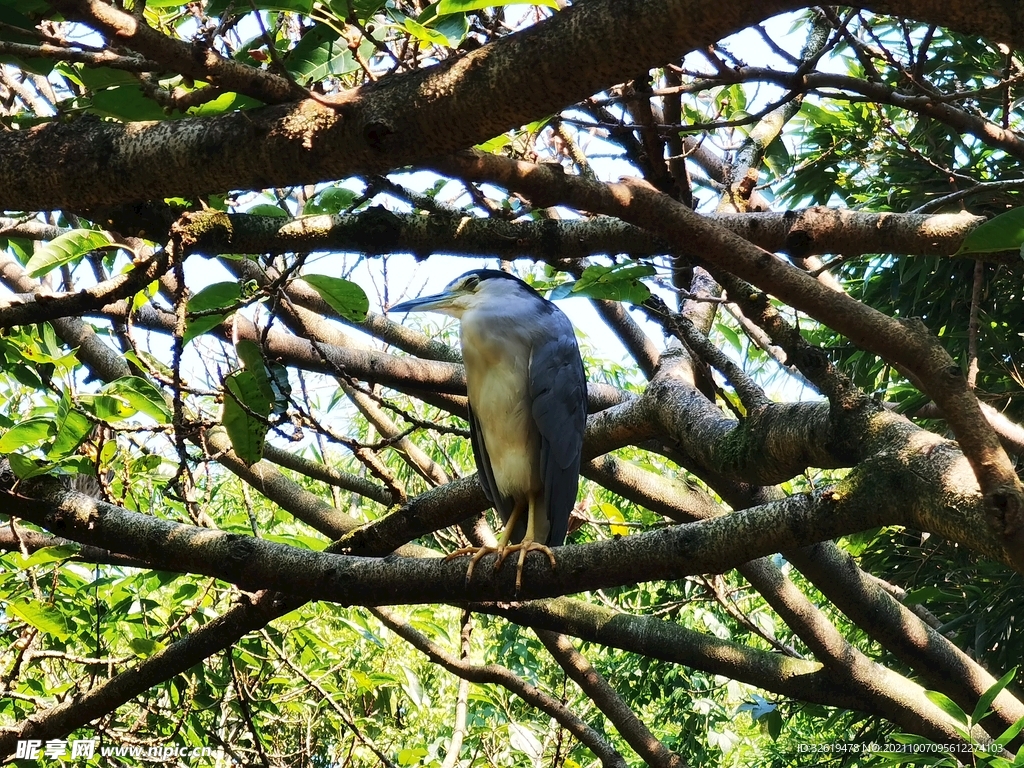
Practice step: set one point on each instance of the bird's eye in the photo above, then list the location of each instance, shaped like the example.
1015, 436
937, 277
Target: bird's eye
471, 283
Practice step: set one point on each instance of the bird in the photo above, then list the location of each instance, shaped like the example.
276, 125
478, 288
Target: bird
527, 407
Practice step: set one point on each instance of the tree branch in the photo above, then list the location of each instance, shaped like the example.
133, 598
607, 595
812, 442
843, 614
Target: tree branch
198, 61
907, 343
499, 675
400, 120
866, 498
597, 689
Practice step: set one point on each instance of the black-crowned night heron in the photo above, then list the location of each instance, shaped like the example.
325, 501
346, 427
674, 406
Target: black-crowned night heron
527, 406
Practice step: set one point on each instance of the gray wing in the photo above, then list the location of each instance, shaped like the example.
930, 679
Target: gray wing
503, 504
558, 387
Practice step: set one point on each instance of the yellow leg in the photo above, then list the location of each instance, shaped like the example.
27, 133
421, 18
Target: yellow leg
480, 552
527, 545
504, 549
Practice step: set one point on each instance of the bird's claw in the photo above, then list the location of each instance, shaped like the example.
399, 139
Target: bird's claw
524, 548
502, 552
477, 553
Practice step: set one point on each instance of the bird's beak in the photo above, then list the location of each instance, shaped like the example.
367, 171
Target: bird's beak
436, 302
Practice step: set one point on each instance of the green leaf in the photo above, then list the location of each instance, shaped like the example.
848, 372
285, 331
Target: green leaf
344, 297
95, 78
143, 395
66, 248
774, 724
411, 756
495, 144
1004, 232
144, 646
523, 739
42, 617
226, 102
730, 335
109, 407
412, 687
330, 201
251, 355
502, 140
143, 297
319, 54
454, 26
461, 6
30, 433
614, 515
266, 209
246, 431
616, 283
280, 386
107, 452
777, 158
147, 463
947, 705
128, 103
184, 591
986, 699
216, 296
72, 429
924, 595
819, 116
1011, 733
424, 34
50, 555
24, 467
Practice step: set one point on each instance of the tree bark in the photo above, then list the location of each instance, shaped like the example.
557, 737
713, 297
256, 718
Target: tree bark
403, 118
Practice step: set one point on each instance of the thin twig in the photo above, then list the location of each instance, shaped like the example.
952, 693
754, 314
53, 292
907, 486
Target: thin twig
974, 327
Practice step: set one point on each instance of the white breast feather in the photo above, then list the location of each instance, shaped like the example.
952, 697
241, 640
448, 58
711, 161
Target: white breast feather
493, 379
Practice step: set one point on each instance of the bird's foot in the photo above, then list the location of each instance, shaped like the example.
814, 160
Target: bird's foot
523, 548
477, 553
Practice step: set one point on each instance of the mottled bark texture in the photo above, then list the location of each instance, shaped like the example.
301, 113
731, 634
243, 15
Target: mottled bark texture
873, 494
379, 230
406, 118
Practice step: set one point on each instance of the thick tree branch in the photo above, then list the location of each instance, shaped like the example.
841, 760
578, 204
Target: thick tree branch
400, 120
670, 642
45, 305
24, 540
907, 343
867, 498
799, 233
90, 58
198, 61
